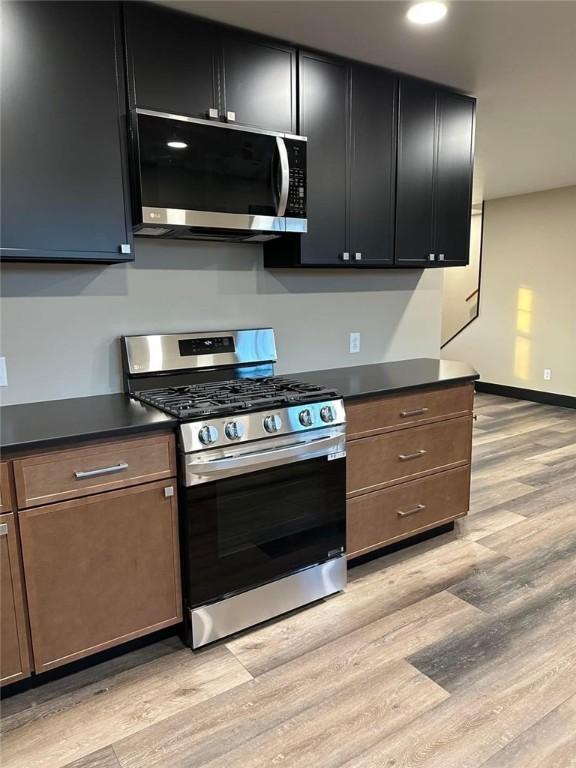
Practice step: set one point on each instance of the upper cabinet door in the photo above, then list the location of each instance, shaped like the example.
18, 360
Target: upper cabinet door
62, 162
454, 177
373, 149
259, 80
172, 61
324, 120
415, 176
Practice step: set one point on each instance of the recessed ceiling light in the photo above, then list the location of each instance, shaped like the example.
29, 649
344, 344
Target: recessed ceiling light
177, 144
427, 13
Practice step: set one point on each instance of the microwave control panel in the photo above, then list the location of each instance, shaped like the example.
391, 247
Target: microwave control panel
296, 206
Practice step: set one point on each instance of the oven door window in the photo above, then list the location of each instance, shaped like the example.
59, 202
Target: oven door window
198, 167
244, 531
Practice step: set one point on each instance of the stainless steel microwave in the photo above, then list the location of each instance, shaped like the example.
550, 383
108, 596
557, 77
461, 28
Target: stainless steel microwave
203, 179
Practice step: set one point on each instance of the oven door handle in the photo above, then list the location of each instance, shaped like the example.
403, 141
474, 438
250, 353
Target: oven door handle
284, 176
305, 449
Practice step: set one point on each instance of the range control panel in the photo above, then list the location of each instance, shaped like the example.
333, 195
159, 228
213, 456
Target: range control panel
297, 190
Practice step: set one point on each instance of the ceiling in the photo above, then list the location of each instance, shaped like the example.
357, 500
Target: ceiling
518, 57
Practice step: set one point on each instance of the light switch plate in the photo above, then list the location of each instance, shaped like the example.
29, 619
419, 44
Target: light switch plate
3, 373
355, 342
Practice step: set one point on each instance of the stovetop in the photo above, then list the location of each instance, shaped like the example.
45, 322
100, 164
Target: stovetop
221, 398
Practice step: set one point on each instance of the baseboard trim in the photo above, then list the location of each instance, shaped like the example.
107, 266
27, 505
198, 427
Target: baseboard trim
535, 395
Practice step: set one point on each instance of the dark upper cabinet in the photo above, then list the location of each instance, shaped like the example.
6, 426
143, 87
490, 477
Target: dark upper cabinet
434, 178
454, 178
323, 119
415, 178
181, 64
62, 153
372, 166
259, 82
173, 60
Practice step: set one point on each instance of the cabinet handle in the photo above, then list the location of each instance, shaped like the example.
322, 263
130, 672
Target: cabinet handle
415, 412
231, 117
4, 529
408, 456
82, 475
169, 491
213, 114
345, 256
413, 511
431, 257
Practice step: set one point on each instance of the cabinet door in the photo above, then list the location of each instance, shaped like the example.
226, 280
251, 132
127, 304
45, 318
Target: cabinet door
372, 188
259, 82
62, 160
100, 571
14, 655
324, 120
415, 175
454, 178
172, 59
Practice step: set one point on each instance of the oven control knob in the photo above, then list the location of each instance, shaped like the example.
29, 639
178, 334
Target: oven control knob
234, 430
208, 435
272, 423
328, 413
305, 417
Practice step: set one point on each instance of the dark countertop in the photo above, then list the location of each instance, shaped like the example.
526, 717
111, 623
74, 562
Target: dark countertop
384, 378
54, 422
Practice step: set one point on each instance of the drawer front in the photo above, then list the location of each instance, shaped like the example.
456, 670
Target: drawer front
375, 415
5, 490
376, 462
376, 519
82, 471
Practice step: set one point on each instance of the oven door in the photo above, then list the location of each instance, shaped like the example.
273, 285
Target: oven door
197, 173
266, 511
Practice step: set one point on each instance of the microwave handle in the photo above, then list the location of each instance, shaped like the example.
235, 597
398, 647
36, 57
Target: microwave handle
284, 176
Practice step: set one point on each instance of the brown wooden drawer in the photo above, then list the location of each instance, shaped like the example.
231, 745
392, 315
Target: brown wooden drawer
379, 518
376, 462
383, 414
81, 471
5, 489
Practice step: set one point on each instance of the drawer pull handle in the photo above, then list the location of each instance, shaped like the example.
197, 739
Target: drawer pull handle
413, 511
4, 529
104, 471
416, 412
415, 455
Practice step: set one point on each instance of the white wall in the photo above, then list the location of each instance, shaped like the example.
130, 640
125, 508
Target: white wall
528, 294
60, 323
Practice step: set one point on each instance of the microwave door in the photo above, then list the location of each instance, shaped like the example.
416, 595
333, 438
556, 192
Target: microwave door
198, 174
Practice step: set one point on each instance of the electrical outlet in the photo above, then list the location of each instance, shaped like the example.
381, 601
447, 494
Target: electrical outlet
355, 342
547, 374
3, 373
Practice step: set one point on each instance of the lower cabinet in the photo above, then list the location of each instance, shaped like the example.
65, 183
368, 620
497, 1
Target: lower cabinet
379, 518
100, 570
14, 652
408, 466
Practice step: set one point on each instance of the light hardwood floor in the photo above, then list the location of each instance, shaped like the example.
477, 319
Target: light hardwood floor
459, 652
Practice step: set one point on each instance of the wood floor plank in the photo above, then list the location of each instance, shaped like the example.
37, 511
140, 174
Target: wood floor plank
549, 743
477, 527
471, 727
207, 731
141, 697
104, 758
376, 704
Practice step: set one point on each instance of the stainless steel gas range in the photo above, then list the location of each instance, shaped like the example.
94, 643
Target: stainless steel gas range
262, 476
